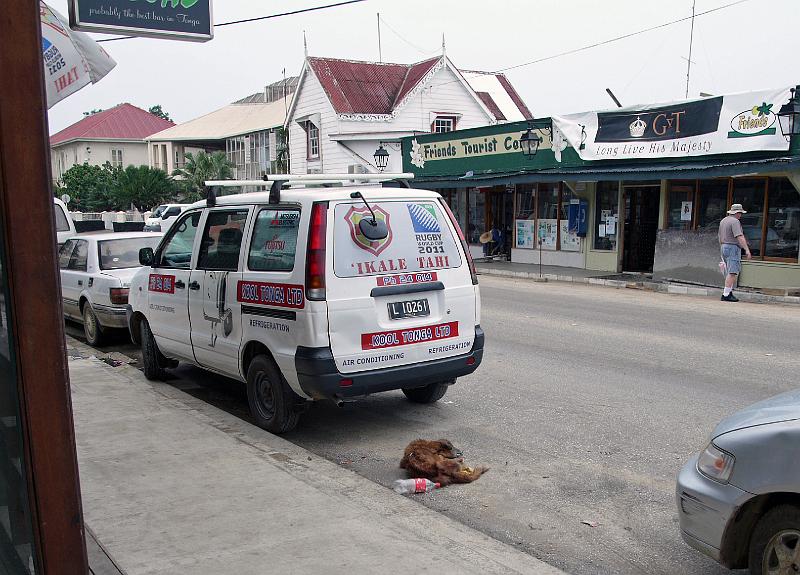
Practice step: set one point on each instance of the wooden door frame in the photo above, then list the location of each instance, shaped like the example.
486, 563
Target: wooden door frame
26, 213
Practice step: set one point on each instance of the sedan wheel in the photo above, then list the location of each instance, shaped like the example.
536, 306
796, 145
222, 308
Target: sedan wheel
781, 556
775, 542
91, 327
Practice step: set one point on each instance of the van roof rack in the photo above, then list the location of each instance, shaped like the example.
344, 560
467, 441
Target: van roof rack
279, 180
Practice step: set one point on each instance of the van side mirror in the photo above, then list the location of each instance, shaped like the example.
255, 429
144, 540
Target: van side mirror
146, 256
373, 230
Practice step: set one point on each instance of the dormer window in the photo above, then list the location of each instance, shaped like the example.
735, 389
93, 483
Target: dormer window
444, 123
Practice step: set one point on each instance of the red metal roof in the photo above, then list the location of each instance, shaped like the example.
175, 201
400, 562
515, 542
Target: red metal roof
415, 73
514, 96
122, 122
489, 102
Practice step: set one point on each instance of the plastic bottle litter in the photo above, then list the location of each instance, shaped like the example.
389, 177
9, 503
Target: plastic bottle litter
417, 485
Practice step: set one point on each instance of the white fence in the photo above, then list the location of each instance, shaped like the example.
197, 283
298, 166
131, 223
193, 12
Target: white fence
110, 217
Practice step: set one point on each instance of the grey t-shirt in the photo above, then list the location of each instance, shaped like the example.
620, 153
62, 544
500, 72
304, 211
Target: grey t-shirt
729, 229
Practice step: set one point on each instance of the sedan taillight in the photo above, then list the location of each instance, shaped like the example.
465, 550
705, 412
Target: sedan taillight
119, 295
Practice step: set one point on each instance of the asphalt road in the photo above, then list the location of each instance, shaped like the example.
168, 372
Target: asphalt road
588, 402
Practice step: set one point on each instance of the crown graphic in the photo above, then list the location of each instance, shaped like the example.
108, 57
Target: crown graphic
637, 127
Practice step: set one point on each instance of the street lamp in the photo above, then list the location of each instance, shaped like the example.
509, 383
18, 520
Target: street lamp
531, 140
789, 117
381, 157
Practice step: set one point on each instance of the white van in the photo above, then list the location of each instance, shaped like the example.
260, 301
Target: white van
65, 227
163, 217
284, 291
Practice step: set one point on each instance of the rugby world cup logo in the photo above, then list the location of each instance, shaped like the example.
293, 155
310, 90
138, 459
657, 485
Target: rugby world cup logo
423, 218
354, 216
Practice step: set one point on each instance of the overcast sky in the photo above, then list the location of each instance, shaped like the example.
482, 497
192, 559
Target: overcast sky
749, 46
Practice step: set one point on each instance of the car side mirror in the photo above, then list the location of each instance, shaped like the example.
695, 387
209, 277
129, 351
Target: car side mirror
373, 229
146, 256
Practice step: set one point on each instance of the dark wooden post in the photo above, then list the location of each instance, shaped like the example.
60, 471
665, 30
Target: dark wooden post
27, 226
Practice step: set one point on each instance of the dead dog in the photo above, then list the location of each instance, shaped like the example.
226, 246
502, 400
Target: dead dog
438, 461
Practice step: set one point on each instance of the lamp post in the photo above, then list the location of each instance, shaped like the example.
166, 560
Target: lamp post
789, 117
381, 157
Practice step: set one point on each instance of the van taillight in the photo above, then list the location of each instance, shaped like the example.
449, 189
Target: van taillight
473, 274
119, 295
315, 255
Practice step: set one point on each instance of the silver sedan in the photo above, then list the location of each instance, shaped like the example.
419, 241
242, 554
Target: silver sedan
739, 500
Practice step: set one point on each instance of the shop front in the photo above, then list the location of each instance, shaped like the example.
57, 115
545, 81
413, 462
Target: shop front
646, 188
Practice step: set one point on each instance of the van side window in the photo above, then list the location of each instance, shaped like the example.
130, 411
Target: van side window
222, 240
62, 224
274, 241
177, 249
65, 254
80, 256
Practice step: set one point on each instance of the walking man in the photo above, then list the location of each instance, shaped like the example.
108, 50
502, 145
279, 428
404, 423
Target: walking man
732, 242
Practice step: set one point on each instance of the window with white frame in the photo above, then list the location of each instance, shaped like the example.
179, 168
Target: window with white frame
312, 140
116, 158
443, 124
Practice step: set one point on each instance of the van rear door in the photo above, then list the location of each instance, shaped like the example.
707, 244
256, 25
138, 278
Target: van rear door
405, 299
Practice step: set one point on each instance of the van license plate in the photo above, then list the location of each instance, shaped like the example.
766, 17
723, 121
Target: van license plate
411, 308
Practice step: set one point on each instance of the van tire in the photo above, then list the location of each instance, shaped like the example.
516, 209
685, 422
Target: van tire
428, 394
152, 359
272, 402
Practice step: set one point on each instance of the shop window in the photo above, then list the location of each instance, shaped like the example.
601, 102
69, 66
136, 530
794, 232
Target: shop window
456, 199
476, 212
606, 216
525, 217
568, 242
783, 220
751, 194
712, 199
680, 205
547, 223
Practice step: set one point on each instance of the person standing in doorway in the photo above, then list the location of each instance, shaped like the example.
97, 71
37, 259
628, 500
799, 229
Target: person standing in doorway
732, 242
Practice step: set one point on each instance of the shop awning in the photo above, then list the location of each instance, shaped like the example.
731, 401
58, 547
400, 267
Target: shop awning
677, 170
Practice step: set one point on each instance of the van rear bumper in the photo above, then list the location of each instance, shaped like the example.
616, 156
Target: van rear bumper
320, 378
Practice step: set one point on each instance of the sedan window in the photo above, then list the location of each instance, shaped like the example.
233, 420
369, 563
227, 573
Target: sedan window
80, 256
118, 254
65, 254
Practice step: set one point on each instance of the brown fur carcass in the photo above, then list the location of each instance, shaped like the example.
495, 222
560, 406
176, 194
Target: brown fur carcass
438, 461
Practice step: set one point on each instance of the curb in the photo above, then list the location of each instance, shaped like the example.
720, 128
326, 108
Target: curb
661, 287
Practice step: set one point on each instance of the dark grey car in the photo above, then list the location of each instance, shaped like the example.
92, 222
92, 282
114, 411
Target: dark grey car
739, 500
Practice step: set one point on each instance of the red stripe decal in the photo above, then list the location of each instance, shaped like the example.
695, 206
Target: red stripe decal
161, 283
409, 336
405, 279
279, 295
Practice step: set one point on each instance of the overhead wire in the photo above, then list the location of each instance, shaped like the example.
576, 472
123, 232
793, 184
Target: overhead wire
257, 18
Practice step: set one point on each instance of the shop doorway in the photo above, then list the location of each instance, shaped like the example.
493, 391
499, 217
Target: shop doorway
500, 215
641, 226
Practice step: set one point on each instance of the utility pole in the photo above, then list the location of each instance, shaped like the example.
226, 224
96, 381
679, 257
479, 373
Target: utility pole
380, 53
689, 61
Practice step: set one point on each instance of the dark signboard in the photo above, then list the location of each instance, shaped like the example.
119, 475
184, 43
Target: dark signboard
176, 19
663, 123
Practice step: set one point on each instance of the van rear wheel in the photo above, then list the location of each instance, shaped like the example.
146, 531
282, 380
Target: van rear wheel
272, 402
428, 394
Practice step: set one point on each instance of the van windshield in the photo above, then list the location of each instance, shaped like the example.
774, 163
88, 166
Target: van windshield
419, 239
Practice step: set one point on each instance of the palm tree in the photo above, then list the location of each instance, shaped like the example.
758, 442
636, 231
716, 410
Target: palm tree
201, 167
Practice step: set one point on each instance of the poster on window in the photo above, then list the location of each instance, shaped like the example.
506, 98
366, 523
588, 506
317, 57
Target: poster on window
548, 233
733, 123
570, 242
686, 211
525, 234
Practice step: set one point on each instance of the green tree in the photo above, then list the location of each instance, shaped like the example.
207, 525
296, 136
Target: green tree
157, 111
89, 187
143, 187
201, 167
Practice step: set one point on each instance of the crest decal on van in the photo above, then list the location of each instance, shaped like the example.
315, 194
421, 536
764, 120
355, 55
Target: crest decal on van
354, 215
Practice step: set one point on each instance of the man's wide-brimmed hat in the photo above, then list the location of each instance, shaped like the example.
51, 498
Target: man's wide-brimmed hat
485, 238
737, 209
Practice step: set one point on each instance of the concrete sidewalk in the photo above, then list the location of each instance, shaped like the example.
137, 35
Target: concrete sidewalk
173, 485
609, 279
